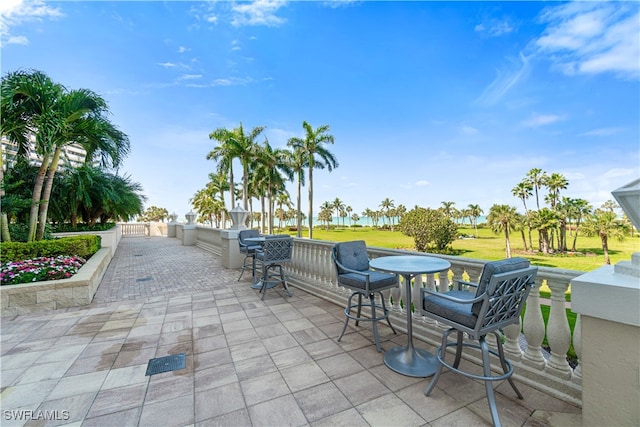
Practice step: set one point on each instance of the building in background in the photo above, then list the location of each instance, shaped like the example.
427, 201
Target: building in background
73, 155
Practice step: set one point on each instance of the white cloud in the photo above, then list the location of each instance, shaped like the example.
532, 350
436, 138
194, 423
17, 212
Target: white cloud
602, 132
14, 13
495, 27
183, 49
259, 12
592, 38
537, 120
422, 183
167, 64
504, 81
190, 77
617, 173
468, 130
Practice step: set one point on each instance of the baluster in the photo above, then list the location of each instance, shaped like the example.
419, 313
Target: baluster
577, 346
416, 295
512, 341
558, 332
395, 294
458, 272
534, 328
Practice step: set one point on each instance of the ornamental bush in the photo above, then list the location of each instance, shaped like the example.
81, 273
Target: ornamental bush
79, 246
430, 229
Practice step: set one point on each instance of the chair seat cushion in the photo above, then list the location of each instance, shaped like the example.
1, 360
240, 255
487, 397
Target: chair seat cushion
454, 311
377, 280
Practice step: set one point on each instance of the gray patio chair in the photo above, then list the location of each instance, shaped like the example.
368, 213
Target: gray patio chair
352, 268
497, 302
249, 250
275, 251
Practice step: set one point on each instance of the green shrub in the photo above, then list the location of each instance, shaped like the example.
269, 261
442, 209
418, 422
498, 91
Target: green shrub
68, 228
81, 246
20, 232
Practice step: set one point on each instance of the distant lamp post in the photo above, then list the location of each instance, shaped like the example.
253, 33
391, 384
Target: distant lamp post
238, 218
190, 218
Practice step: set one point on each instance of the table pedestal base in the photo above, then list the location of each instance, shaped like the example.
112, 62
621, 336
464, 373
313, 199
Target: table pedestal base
414, 362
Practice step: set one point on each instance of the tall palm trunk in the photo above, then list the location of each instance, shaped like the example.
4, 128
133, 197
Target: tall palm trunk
311, 199
5, 235
46, 193
262, 214
605, 248
299, 209
507, 242
35, 198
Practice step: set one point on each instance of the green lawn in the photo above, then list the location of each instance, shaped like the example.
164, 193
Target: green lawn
489, 246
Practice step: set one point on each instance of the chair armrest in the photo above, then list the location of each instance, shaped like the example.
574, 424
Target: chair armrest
453, 299
464, 282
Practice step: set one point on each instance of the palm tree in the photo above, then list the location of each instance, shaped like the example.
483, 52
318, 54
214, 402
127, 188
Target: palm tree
605, 224
579, 209
537, 179
27, 105
448, 208
555, 183
503, 218
348, 210
57, 118
273, 167
83, 117
474, 212
523, 191
224, 154
246, 151
316, 156
386, 206
298, 164
339, 206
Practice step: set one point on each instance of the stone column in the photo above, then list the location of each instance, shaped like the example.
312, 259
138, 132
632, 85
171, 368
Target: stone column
189, 235
171, 228
231, 256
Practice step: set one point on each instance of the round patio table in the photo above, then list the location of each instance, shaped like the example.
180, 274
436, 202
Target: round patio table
408, 360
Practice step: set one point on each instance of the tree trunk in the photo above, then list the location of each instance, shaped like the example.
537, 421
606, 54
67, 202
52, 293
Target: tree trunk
298, 211
605, 248
524, 240
310, 200
35, 199
507, 243
6, 235
46, 193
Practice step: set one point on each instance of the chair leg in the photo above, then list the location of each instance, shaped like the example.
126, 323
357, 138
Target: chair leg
436, 376
346, 317
284, 281
372, 298
359, 308
488, 385
460, 339
505, 368
386, 313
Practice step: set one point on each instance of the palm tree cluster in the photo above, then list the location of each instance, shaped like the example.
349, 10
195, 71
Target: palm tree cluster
265, 172
33, 105
553, 221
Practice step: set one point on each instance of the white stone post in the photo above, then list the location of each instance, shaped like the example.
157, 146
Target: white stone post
189, 235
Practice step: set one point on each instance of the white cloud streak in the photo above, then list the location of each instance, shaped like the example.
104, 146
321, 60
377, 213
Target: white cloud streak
592, 38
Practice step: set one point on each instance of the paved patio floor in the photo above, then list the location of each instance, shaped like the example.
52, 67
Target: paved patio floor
248, 362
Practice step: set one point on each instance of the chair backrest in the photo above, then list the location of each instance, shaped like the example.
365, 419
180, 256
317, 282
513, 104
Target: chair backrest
244, 234
492, 268
277, 248
351, 255
506, 294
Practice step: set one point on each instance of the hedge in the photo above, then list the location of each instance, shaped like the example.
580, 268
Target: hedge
82, 246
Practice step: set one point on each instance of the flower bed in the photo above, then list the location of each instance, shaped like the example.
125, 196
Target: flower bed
39, 269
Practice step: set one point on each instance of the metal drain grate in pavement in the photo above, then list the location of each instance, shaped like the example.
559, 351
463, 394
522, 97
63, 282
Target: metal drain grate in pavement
144, 279
166, 364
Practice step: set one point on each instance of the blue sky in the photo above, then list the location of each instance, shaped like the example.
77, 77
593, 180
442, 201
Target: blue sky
427, 101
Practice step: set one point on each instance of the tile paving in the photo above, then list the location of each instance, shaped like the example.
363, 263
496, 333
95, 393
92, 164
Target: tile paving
248, 362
